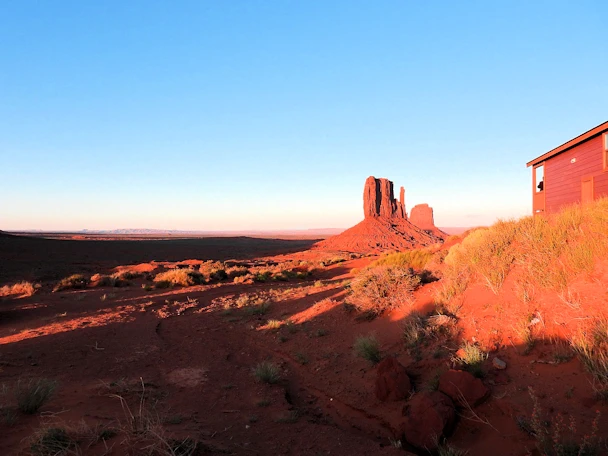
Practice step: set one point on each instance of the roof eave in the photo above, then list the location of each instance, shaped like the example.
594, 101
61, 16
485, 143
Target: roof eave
569, 144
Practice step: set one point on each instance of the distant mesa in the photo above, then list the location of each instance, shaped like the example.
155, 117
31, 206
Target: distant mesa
386, 225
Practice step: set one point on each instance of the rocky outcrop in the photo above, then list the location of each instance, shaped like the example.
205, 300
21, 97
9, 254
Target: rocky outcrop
428, 417
422, 217
463, 388
379, 199
392, 381
386, 226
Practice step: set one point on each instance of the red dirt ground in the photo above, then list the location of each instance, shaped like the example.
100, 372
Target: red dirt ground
378, 234
195, 358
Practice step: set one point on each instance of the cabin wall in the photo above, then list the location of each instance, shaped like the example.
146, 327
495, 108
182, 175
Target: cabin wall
563, 178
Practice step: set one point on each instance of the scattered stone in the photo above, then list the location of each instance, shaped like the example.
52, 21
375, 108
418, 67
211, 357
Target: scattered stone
499, 364
392, 381
428, 416
463, 388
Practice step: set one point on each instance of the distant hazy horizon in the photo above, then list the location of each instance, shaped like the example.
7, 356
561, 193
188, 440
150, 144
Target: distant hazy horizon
266, 115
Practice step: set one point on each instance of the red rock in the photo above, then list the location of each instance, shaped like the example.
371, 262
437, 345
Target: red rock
371, 197
385, 226
392, 381
422, 217
428, 416
379, 199
463, 388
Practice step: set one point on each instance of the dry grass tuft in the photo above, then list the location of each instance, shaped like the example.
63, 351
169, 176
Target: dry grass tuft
381, 288
181, 277
32, 394
367, 347
549, 251
73, 282
267, 372
22, 289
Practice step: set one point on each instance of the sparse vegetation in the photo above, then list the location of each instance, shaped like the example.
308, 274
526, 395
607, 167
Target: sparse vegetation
32, 394
471, 357
267, 372
560, 439
382, 288
367, 347
549, 251
181, 277
415, 259
22, 289
301, 358
274, 324
52, 441
591, 346
73, 282
261, 308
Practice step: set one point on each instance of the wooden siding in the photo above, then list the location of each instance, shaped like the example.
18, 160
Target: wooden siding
563, 179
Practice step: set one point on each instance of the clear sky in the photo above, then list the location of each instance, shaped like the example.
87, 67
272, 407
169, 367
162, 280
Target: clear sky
243, 114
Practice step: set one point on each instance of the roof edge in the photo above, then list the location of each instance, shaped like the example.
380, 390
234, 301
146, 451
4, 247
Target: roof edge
601, 128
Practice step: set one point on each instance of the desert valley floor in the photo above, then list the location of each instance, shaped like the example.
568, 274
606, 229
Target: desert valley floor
144, 369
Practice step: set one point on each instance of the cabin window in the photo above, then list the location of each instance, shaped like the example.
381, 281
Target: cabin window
539, 178
605, 150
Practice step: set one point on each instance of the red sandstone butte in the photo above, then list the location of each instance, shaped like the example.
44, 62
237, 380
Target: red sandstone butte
386, 226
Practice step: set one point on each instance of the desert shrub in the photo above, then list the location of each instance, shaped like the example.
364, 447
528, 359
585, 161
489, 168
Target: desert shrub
262, 276
471, 357
486, 253
247, 278
237, 271
591, 346
267, 372
32, 394
367, 347
415, 259
52, 442
560, 439
182, 277
414, 330
21, 288
258, 308
274, 324
219, 274
73, 282
382, 288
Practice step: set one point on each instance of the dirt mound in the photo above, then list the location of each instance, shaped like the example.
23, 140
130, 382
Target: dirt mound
386, 225
378, 234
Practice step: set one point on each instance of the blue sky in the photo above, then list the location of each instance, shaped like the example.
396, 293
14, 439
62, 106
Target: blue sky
271, 114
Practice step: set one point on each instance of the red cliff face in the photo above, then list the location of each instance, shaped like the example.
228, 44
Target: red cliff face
385, 226
422, 217
379, 199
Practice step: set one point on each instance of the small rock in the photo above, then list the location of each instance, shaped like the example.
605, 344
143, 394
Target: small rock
463, 388
499, 364
428, 416
392, 381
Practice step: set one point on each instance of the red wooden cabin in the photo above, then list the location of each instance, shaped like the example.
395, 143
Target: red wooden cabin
575, 172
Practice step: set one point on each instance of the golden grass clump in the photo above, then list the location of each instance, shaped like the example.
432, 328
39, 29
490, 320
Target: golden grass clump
22, 289
415, 259
73, 282
549, 251
181, 277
